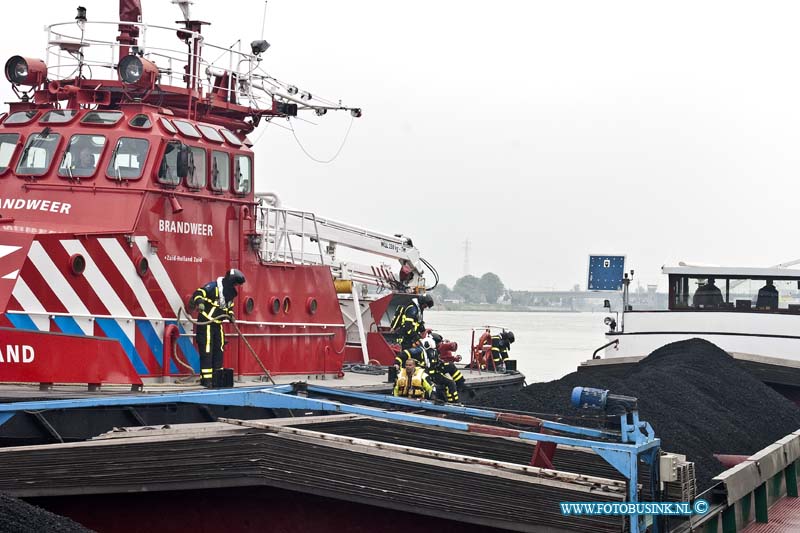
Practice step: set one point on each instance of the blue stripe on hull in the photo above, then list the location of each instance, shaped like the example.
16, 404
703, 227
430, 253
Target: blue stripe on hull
21, 321
112, 330
151, 338
68, 325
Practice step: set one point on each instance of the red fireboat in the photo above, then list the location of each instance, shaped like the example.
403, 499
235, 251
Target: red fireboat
126, 182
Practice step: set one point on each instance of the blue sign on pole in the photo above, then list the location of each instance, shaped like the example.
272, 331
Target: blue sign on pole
605, 272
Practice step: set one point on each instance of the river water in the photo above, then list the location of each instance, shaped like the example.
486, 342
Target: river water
547, 345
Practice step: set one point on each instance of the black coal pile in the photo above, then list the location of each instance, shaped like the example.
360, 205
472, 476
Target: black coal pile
696, 397
16, 516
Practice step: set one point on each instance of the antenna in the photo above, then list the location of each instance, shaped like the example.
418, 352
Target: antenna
264, 20
466, 247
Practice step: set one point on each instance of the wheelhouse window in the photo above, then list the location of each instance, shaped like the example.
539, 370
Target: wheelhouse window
210, 134
103, 118
168, 168
230, 137
59, 116
242, 174
734, 293
187, 129
141, 121
128, 159
8, 145
167, 125
196, 179
38, 153
82, 156
220, 171
20, 118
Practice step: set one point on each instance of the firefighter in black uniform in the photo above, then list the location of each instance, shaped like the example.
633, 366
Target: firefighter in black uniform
501, 344
408, 323
445, 375
214, 304
417, 354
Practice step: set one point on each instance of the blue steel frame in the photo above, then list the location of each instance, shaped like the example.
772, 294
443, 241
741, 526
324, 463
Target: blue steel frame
623, 456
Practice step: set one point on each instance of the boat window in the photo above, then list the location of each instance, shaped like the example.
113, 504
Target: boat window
210, 134
187, 129
8, 145
242, 174
128, 159
82, 156
196, 179
167, 125
230, 137
20, 117
751, 294
105, 118
141, 121
58, 116
38, 153
220, 171
168, 169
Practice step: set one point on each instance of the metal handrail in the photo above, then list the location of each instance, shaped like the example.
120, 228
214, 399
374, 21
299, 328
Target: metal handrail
603, 347
232, 62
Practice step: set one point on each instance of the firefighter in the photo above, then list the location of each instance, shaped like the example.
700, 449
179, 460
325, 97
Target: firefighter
408, 323
214, 304
445, 375
501, 344
417, 354
413, 382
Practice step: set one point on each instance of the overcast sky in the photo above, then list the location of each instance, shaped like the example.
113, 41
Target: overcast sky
542, 131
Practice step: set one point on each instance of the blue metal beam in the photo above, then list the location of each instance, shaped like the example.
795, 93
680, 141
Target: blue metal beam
141, 399
455, 409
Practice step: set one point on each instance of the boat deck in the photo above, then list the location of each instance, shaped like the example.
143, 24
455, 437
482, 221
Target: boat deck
475, 381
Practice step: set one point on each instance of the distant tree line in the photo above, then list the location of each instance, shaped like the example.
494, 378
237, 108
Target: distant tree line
473, 290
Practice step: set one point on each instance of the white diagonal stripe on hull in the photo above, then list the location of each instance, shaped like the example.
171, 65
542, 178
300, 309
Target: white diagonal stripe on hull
60, 286
126, 267
160, 275
7, 249
103, 288
31, 304
12, 275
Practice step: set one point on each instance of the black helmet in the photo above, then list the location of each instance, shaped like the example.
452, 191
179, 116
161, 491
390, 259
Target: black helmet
437, 338
234, 277
509, 335
425, 300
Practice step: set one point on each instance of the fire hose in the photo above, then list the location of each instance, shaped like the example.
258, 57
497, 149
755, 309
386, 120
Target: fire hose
238, 331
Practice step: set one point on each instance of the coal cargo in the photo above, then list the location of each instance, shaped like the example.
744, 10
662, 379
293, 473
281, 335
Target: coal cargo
16, 516
696, 397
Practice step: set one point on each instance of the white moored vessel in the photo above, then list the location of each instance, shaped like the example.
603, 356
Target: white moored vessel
752, 313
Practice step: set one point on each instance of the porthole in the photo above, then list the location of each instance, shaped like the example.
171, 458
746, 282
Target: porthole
311, 306
275, 305
142, 266
287, 305
249, 305
77, 263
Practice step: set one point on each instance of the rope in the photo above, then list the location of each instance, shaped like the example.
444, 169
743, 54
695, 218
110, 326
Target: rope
360, 368
253, 352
